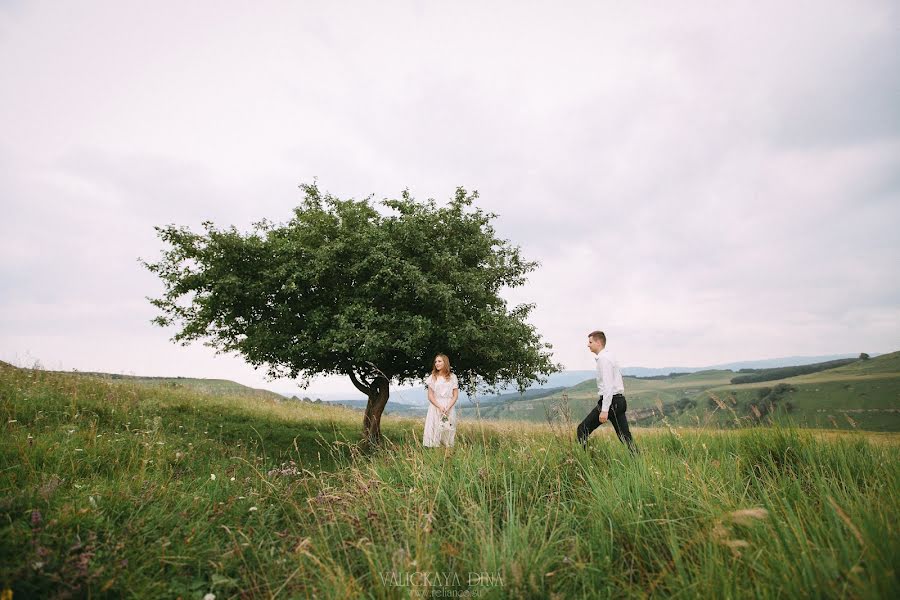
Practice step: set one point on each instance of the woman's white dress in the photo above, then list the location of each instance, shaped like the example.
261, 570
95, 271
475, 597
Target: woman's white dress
439, 433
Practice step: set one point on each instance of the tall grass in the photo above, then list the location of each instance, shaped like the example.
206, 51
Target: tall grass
108, 490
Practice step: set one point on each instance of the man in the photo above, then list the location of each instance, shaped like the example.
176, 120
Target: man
611, 403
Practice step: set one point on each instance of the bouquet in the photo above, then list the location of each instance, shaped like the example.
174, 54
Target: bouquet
446, 425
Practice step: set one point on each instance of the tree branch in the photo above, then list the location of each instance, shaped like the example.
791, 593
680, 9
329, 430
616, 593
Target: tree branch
365, 389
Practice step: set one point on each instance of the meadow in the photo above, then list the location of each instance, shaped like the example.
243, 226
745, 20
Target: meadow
863, 395
114, 489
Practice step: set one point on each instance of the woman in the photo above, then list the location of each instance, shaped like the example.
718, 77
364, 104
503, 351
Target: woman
443, 391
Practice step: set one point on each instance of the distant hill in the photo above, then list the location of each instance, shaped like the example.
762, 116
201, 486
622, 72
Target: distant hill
757, 375
212, 387
862, 394
768, 363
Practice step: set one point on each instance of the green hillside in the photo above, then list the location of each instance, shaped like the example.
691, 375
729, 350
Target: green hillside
212, 387
864, 394
886, 364
760, 375
112, 489
576, 401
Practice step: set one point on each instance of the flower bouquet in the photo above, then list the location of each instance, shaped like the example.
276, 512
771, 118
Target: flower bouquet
446, 425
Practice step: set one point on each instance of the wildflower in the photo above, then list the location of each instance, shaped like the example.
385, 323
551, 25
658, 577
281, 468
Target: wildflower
212, 476
232, 478
209, 596
253, 509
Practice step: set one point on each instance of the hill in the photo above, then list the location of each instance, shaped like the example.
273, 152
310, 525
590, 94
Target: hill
212, 387
757, 375
766, 363
111, 488
863, 394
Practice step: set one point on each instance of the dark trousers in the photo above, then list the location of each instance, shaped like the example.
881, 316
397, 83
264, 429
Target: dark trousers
616, 416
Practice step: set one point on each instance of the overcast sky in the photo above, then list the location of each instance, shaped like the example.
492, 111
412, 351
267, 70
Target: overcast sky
714, 183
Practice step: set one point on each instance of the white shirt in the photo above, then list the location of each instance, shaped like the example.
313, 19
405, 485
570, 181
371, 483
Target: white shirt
609, 378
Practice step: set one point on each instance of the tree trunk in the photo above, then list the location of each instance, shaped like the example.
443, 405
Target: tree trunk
378, 397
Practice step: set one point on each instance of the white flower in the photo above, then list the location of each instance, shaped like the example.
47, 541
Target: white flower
253, 509
232, 478
212, 476
209, 596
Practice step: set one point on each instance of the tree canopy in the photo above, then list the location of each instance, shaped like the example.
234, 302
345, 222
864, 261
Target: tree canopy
369, 290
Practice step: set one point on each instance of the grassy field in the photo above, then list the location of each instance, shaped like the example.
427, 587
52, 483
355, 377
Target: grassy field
115, 489
862, 395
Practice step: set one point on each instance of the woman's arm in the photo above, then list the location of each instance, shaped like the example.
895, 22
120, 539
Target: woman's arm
453, 401
432, 399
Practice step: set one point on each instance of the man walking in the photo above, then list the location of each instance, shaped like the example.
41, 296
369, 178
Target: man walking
611, 403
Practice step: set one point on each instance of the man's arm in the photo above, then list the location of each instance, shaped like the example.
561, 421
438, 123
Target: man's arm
605, 366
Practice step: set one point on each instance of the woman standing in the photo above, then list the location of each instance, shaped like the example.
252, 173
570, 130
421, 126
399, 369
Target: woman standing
443, 391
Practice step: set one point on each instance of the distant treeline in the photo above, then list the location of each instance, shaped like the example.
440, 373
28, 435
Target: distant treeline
757, 375
659, 377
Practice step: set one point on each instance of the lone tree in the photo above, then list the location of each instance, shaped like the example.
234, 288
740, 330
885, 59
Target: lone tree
346, 288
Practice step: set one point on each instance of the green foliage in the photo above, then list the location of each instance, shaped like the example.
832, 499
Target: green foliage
351, 287
685, 403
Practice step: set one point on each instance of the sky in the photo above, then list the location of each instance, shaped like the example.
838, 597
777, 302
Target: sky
715, 183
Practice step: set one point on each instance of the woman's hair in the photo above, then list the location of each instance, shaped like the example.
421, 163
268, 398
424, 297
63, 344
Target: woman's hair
446, 370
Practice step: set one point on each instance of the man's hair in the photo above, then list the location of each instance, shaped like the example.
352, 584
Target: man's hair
598, 335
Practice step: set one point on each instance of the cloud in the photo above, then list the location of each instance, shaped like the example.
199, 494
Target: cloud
712, 184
